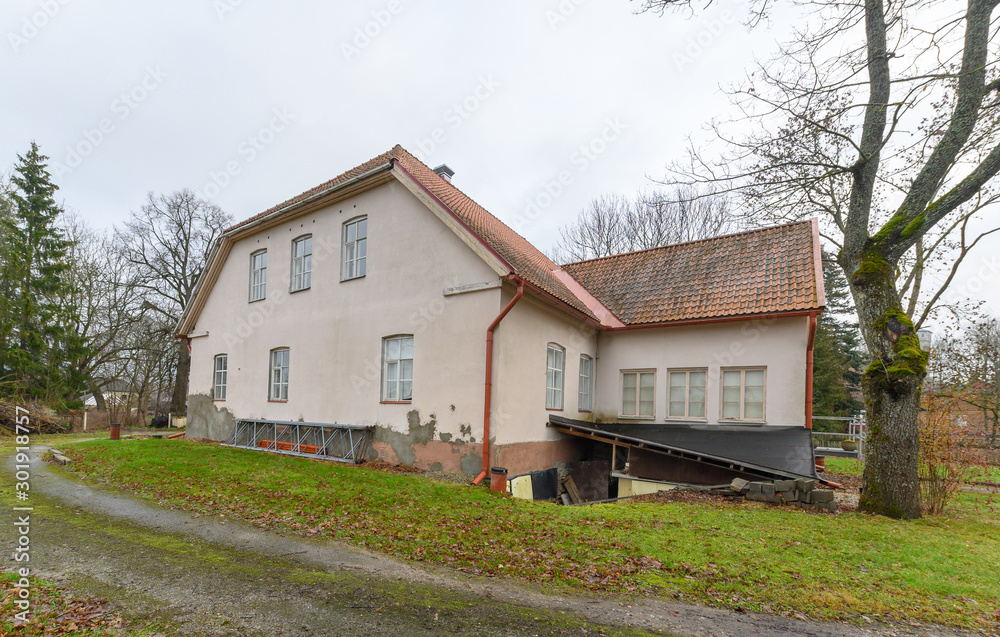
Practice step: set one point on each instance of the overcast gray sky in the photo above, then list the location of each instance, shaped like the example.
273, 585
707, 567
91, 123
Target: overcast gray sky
251, 102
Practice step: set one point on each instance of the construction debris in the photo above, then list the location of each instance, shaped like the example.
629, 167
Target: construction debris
801, 493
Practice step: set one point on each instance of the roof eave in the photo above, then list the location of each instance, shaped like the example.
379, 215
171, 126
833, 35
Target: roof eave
720, 319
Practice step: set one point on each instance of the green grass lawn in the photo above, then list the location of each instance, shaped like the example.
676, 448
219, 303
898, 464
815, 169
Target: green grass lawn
740, 555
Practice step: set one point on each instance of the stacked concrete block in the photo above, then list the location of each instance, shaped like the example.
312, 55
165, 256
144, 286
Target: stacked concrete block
801, 493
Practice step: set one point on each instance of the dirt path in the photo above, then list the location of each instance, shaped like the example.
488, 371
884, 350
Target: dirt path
212, 576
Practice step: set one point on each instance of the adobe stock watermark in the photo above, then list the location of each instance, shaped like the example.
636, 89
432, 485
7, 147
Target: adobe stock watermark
710, 33
456, 115
32, 25
246, 152
324, 248
580, 161
22, 515
562, 12
366, 33
224, 7
121, 109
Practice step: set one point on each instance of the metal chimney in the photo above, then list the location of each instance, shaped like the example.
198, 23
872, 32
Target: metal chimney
445, 172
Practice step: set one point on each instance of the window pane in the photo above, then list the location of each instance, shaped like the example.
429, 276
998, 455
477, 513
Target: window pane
628, 382
730, 410
696, 395
755, 377
678, 394
406, 390
731, 395
754, 411
407, 348
363, 228
646, 379
677, 379
352, 232
646, 408
676, 409
754, 395
696, 409
696, 379
391, 370
349, 252
361, 267
390, 390
362, 248
406, 369
730, 379
392, 349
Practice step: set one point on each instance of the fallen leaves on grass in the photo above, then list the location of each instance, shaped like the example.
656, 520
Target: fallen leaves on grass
54, 612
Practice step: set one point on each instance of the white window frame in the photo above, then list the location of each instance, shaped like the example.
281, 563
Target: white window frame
585, 399
301, 278
220, 376
555, 376
743, 394
277, 376
687, 393
395, 379
258, 275
354, 259
637, 403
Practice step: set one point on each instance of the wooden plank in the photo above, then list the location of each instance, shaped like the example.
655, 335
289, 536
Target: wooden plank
574, 493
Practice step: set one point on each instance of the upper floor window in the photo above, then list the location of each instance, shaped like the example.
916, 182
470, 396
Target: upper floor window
278, 381
220, 377
302, 252
397, 369
258, 275
639, 394
355, 249
743, 394
687, 393
555, 367
586, 402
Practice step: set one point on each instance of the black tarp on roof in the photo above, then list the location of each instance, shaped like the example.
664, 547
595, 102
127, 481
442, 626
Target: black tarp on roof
762, 450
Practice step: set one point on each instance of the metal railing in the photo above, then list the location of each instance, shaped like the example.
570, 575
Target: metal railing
325, 441
856, 432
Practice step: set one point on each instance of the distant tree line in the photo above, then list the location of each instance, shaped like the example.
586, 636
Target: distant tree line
86, 310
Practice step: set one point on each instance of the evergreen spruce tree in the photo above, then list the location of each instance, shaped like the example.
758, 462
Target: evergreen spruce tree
42, 345
837, 355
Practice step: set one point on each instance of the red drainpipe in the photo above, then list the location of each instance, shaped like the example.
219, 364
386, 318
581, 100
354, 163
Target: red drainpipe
489, 377
809, 371
187, 339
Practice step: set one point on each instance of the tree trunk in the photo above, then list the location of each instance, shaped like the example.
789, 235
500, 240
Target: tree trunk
178, 402
891, 386
100, 403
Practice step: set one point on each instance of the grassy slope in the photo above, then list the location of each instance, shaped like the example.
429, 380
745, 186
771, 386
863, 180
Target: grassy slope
744, 555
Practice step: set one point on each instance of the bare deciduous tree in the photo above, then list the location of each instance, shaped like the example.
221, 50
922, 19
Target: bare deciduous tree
168, 240
612, 224
882, 119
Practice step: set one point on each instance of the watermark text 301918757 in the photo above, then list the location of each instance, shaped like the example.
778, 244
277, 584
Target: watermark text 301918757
22, 516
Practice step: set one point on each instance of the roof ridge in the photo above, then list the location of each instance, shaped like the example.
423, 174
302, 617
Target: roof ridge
691, 242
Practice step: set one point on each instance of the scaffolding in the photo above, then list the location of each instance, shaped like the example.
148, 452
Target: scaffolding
341, 443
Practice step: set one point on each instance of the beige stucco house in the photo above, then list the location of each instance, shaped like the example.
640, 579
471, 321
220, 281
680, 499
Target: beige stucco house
387, 297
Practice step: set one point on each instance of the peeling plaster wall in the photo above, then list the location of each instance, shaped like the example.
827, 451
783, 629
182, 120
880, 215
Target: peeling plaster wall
334, 330
206, 419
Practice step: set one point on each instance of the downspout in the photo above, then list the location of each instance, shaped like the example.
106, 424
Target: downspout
809, 370
187, 339
489, 377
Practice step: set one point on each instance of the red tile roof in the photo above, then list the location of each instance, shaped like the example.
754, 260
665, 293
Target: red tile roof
527, 261
756, 272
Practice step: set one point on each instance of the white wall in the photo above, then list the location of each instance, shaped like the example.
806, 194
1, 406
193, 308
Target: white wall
520, 349
777, 344
334, 330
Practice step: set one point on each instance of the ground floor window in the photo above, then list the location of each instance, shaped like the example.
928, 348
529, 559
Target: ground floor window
687, 393
220, 377
586, 401
278, 389
743, 394
397, 368
638, 394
